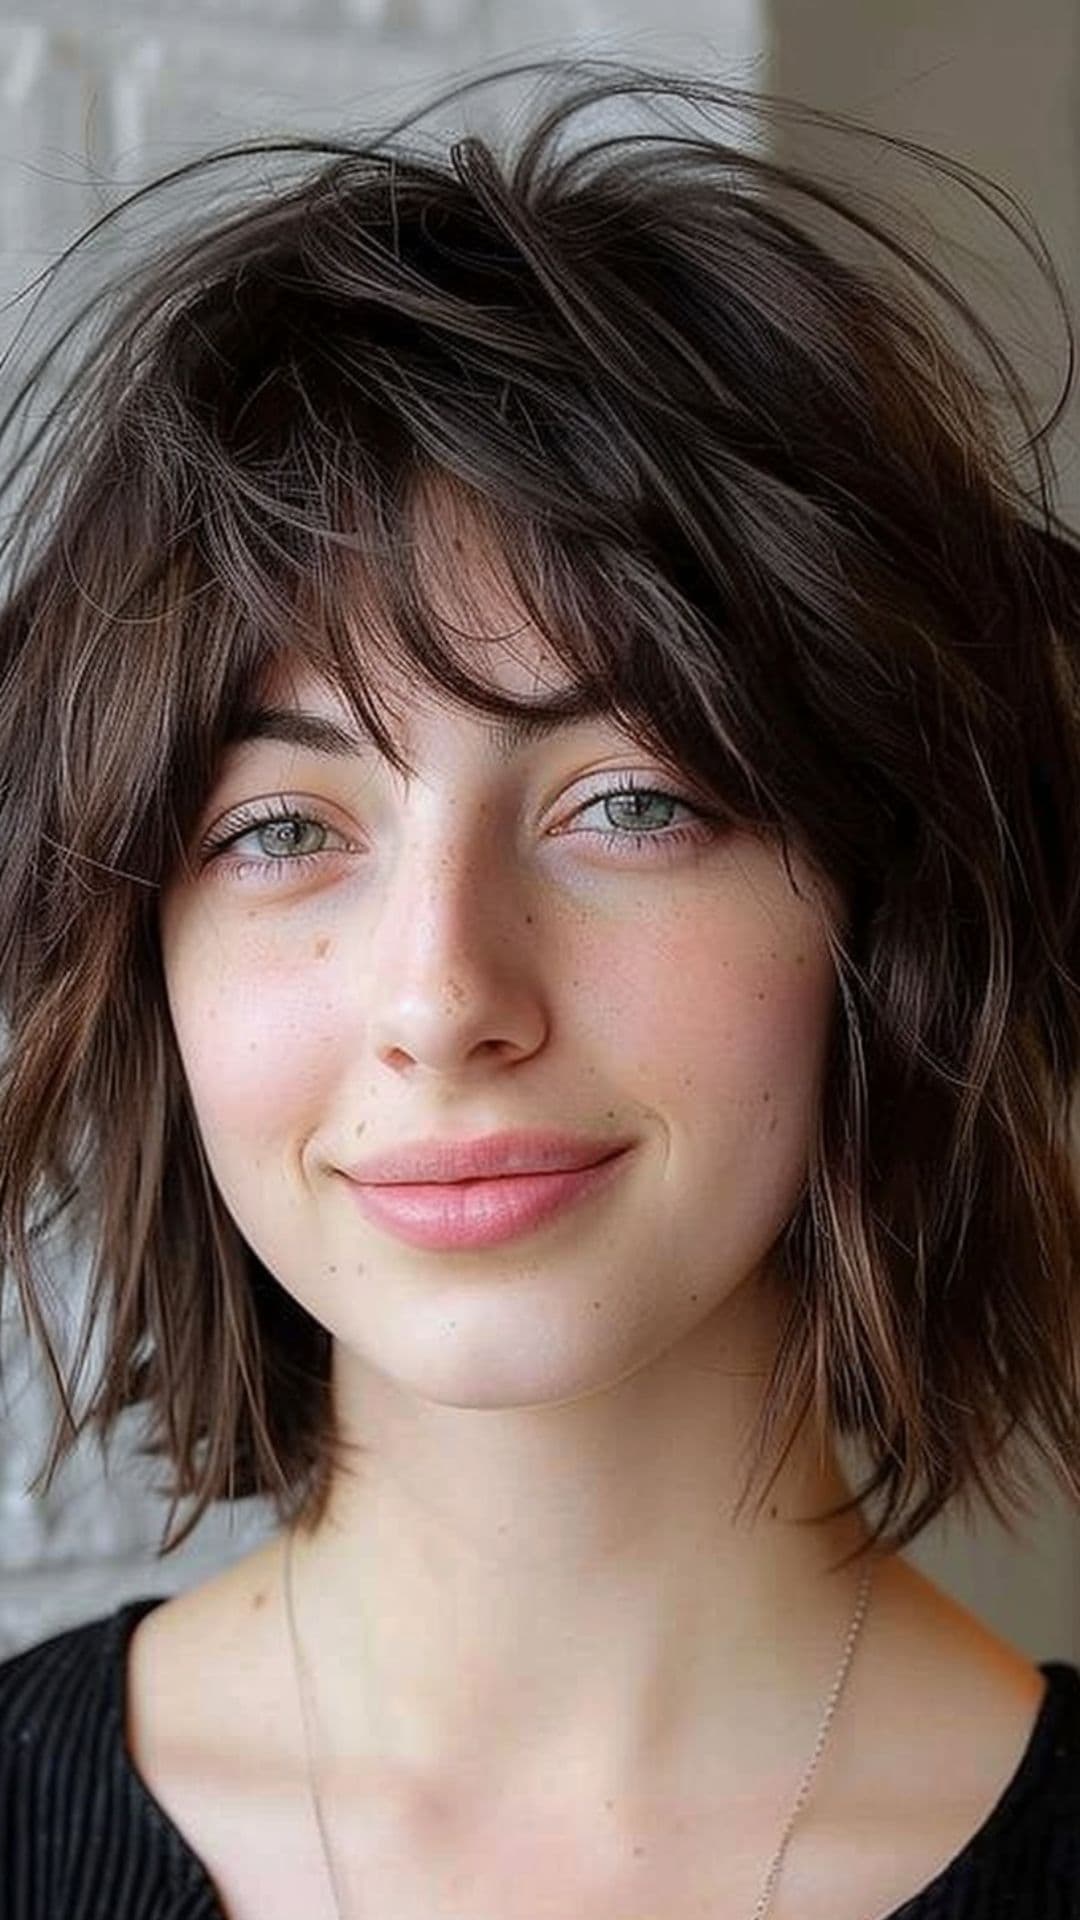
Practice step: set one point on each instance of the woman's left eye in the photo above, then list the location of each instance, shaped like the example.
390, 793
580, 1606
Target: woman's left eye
635, 804
283, 829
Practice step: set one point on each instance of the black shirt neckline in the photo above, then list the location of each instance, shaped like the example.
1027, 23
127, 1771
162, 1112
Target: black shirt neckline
1060, 1703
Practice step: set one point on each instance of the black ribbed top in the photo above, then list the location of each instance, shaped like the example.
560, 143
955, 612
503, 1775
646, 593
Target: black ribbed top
82, 1837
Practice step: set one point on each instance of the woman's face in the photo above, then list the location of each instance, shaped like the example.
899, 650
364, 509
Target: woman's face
465, 953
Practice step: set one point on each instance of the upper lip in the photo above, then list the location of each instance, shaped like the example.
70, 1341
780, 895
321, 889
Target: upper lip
484, 1158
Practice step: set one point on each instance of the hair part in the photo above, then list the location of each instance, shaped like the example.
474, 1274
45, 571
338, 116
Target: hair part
760, 510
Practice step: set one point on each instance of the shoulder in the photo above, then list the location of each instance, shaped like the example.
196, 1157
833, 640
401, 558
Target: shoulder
205, 1671
1024, 1856
61, 1753
962, 1767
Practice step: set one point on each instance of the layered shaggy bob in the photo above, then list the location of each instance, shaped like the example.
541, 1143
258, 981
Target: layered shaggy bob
760, 506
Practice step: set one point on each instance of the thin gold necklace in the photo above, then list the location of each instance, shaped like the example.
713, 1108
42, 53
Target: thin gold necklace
303, 1685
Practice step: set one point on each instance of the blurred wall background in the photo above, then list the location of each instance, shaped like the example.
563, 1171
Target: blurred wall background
998, 87
96, 97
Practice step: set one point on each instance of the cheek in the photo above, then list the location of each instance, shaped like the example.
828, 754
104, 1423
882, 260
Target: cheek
734, 1006
258, 1035
717, 1030
737, 1059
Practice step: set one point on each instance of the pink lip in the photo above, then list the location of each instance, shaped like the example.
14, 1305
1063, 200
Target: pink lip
477, 1213
485, 1158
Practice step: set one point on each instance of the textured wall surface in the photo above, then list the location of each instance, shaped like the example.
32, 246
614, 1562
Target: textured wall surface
949, 73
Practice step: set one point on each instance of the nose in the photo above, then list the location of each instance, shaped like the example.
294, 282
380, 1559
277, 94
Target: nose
454, 975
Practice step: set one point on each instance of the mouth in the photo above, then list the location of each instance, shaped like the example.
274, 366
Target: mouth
446, 1216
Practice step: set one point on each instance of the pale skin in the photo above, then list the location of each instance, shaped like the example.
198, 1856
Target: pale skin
552, 1672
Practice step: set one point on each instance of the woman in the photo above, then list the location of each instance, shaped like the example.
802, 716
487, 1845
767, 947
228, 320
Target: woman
540, 945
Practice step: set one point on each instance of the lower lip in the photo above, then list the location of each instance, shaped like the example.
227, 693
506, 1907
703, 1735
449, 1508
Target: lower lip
479, 1213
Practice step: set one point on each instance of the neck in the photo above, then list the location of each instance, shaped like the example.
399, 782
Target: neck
566, 1593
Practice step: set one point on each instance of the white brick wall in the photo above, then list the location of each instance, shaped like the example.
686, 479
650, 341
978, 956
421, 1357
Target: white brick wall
93, 99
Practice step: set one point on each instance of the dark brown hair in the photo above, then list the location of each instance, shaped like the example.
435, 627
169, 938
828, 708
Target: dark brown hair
759, 503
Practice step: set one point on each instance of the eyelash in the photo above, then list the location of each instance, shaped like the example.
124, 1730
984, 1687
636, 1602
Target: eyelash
248, 819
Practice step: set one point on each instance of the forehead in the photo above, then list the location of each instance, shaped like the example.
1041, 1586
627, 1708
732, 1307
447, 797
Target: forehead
522, 666
295, 704
467, 587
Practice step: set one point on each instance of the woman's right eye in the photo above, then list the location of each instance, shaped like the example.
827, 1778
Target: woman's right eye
290, 825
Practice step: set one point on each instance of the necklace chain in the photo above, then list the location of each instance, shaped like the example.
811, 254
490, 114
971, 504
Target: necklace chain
303, 1684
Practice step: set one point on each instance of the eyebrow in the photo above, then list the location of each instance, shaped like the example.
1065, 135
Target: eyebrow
317, 733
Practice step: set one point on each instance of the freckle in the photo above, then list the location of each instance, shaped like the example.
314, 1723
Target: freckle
766, 1095
638, 1851
694, 1297
760, 996
258, 1600
360, 1128
800, 959
773, 1511
322, 947
331, 1269
596, 1303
